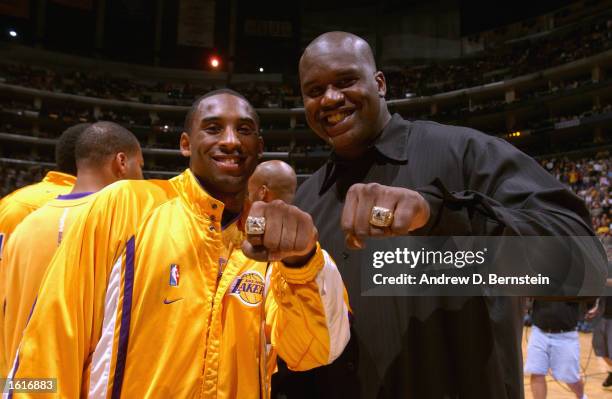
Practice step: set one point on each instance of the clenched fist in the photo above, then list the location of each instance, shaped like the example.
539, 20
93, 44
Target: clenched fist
408, 208
289, 234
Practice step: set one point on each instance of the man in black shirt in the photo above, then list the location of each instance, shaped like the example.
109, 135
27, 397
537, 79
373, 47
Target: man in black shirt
554, 345
437, 180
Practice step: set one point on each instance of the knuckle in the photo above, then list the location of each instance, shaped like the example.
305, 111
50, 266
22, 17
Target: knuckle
277, 204
361, 231
294, 210
256, 206
355, 188
375, 187
307, 218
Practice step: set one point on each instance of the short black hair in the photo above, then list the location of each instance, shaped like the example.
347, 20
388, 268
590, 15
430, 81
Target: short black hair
65, 147
102, 140
196, 104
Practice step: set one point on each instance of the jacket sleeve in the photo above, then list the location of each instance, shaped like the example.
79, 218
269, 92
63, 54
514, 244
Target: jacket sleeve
68, 316
307, 312
11, 214
507, 193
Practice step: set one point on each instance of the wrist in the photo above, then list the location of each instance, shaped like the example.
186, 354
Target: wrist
299, 260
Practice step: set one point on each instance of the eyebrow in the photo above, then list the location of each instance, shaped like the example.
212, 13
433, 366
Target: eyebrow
217, 119
210, 119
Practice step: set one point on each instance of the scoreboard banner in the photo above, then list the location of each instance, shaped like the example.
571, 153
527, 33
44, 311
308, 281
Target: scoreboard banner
196, 23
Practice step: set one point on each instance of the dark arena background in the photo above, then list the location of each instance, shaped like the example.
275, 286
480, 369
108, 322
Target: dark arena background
537, 74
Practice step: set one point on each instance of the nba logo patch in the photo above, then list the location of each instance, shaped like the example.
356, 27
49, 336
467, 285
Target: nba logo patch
174, 275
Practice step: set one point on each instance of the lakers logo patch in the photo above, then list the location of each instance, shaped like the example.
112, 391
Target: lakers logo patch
249, 288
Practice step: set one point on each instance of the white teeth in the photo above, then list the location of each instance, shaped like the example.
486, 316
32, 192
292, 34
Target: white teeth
229, 161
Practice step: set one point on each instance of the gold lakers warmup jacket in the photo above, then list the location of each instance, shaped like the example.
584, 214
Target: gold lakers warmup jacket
183, 313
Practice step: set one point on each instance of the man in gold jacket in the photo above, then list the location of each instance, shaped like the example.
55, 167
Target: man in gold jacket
185, 310
15, 206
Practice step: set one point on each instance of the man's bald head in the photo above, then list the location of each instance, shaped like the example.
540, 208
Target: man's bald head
338, 43
273, 180
343, 93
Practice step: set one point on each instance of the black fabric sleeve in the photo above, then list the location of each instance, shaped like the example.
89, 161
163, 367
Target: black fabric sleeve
507, 193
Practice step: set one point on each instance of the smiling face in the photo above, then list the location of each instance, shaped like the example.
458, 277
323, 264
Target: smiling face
223, 144
343, 93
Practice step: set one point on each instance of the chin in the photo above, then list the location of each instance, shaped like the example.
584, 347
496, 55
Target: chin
233, 184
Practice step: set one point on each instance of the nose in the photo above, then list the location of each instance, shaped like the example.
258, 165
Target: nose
229, 139
332, 98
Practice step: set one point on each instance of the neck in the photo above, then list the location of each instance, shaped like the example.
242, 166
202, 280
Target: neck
233, 203
90, 182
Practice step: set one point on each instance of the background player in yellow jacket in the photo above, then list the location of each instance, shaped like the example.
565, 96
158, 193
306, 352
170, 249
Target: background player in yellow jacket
105, 152
20, 203
183, 312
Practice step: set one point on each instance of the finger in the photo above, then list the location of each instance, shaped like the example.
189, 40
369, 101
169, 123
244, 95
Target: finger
258, 253
353, 242
257, 210
290, 231
402, 219
305, 241
275, 215
364, 211
348, 212
388, 200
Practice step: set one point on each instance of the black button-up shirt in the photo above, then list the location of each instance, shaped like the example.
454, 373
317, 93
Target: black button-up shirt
435, 347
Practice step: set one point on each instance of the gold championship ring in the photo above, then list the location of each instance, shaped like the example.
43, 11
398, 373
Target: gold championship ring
255, 225
381, 217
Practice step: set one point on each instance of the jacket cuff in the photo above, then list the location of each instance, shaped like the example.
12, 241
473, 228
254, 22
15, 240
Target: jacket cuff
306, 273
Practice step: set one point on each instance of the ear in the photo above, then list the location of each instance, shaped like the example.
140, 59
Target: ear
185, 145
263, 193
381, 83
260, 148
120, 164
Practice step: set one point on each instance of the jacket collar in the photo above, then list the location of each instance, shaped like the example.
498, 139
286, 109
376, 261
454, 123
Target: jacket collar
392, 141
197, 199
59, 178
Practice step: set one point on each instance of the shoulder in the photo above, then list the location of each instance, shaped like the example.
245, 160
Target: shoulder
124, 204
34, 195
459, 142
449, 134
136, 192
